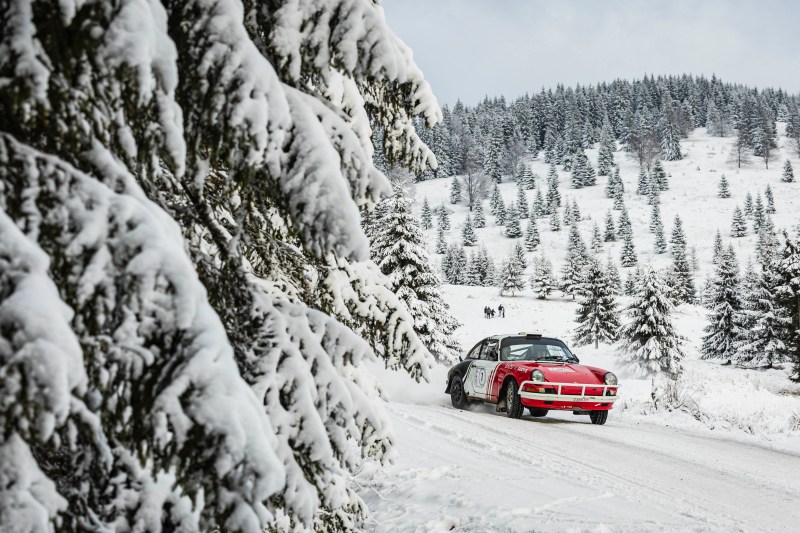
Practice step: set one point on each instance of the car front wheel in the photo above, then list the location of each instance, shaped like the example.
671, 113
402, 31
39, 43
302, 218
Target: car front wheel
514, 405
457, 395
598, 417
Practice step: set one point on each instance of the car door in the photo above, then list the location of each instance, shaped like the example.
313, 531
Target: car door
479, 376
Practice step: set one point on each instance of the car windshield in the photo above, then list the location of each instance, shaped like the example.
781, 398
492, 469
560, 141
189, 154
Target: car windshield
528, 349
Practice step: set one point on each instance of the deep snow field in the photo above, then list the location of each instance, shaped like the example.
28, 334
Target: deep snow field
730, 461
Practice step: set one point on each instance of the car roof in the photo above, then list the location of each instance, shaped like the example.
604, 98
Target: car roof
536, 336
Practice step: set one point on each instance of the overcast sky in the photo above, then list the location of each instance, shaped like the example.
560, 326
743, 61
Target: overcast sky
470, 48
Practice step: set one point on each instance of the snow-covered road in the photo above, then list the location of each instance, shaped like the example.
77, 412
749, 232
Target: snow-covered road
479, 471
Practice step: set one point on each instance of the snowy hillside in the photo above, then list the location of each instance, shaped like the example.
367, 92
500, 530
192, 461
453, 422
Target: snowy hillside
697, 468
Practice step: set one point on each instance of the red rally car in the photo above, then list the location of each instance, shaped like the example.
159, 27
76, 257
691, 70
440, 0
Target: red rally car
528, 370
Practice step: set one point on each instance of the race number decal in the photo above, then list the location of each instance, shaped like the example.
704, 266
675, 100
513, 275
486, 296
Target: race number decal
480, 378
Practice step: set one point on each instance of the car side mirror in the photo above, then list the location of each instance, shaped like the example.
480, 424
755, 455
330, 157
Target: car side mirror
576, 358
460, 357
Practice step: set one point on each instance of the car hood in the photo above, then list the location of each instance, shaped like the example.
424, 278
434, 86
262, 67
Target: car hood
568, 373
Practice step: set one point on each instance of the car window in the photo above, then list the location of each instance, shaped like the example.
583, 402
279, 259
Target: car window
490, 351
475, 353
528, 349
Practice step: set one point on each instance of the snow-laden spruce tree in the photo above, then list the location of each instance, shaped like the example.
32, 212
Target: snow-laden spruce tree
725, 302
717, 248
398, 248
761, 320
479, 219
738, 224
747, 208
184, 182
513, 229
610, 231
597, 314
627, 257
542, 280
444, 218
770, 209
426, 217
510, 277
577, 257
455, 191
468, 236
532, 238
723, 191
648, 341
522, 203
605, 155
787, 295
597, 240
659, 176
788, 172
643, 183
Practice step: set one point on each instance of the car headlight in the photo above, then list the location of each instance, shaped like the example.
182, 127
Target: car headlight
537, 375
610, 379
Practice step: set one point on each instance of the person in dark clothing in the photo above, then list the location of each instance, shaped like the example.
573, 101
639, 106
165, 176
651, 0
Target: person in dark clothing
501, 311
492, 313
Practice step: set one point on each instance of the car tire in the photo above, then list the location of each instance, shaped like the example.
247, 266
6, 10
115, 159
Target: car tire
514, 407
598, 417
538, 411
457, 395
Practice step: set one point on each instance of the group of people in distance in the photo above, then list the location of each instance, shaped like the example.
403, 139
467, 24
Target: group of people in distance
488, 312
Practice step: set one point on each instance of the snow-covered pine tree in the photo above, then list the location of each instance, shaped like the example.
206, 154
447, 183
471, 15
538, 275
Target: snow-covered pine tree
165, 162
723, 191
510, 277
630, 287
468, 237
495, 200
455, 190
542, 280
522, 204
444, 218
493, 155
788, 172
500, 214
426, 217
717, 250
526, 178
627, 256
578, 171
520, 255
659, 176
654, 192
748, 205
649, 343
479, 221
608, 145
770, 209
567, 216
762, 320
553, 193
738, 224
576, 212
597, 315
670, 132
610, 231
487, 269
758, 213
682, 276
513, 229
539, 208
597, 239
660, 243
474, 269
454, 265
611, 185
726, 304
694, 260
655, 218
614, 279
643, 183
787, 295
619, 201
555, 222
441, 242
398, 250
532, 238
574, 263
624, 225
